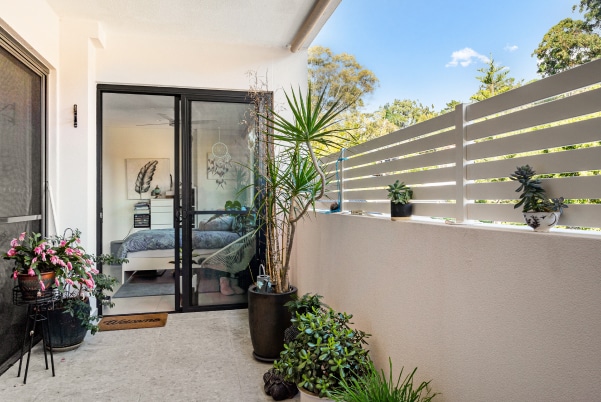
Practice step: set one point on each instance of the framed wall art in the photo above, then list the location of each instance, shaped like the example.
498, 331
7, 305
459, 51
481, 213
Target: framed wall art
143, 175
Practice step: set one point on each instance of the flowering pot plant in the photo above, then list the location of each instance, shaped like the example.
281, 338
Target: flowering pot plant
76, 276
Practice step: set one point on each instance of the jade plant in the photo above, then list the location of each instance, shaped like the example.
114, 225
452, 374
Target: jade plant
326, 350
534, 197
399, 193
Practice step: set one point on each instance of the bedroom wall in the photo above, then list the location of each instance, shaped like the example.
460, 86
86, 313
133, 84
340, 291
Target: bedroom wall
122, 143
119, 144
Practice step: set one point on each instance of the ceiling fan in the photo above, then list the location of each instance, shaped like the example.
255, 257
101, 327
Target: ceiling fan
171, 121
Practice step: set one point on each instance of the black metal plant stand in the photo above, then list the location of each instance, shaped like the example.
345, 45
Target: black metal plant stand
37, 311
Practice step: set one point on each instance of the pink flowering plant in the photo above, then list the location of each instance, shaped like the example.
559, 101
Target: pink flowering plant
34, 254
76, 275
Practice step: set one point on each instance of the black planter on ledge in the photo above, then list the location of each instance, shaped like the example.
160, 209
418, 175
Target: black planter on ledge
400, 211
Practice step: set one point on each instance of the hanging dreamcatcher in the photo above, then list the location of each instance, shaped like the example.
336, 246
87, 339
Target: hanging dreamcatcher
220, 161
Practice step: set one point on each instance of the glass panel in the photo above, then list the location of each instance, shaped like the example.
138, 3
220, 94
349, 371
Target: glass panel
138, 158
223, 243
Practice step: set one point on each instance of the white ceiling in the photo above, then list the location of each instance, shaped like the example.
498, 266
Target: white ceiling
269, 23
272, 23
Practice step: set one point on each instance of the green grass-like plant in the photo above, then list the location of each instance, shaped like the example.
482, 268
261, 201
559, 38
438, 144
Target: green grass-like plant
374, 386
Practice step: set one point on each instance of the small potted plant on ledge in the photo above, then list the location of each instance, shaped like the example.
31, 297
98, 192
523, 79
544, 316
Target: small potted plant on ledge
400, 195
540, 212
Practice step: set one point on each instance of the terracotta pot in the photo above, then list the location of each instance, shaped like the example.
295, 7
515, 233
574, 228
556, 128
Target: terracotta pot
30, 285
268, 319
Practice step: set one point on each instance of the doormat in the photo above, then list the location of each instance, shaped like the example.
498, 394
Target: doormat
132, 321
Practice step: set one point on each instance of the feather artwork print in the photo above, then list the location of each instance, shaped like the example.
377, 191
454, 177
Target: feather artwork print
144, 178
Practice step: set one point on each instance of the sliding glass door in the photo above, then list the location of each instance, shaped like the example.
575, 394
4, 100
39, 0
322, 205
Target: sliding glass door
176, 197
218, 240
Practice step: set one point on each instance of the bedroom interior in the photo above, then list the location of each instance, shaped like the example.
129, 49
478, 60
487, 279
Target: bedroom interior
138, 187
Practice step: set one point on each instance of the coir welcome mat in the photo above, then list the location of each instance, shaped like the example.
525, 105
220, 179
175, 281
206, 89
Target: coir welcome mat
133, 321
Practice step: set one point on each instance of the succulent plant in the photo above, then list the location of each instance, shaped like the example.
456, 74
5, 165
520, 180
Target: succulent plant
325, 351
399, 193
534, 197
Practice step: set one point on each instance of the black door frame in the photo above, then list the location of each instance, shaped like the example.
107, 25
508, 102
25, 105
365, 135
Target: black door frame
182, 96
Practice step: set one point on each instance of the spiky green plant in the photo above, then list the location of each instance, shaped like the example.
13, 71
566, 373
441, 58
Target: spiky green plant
374, 386
399, 193
293, 177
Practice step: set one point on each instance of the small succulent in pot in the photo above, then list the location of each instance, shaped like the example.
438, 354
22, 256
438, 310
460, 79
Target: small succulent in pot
400, 194
540, 211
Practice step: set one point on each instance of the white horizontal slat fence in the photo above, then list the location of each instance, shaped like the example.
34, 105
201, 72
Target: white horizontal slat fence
458, 164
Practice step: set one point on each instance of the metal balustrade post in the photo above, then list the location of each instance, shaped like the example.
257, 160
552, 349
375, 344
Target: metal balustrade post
460, 164
341, 177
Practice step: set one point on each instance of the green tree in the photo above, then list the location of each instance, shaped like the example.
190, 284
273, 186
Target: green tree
570, 42
592, 12
450, 106
406, 112
344, 76
494, 81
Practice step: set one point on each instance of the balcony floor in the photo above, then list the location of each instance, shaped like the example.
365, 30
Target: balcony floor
205, 356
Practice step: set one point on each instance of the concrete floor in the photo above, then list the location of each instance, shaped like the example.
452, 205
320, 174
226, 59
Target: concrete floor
204, 356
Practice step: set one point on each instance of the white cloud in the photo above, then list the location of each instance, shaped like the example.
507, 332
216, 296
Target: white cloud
465, 57
511, 48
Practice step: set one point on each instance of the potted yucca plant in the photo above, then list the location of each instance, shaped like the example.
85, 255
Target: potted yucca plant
292, 181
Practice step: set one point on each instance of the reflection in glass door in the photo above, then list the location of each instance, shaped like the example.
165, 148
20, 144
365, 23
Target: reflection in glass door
219, 241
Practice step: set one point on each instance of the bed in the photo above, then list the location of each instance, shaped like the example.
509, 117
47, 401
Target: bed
154, 249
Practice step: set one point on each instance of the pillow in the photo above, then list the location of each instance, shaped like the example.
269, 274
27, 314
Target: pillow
217, 223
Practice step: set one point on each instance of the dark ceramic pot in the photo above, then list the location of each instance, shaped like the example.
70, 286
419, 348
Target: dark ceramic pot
400, 210
66, 331
268, 319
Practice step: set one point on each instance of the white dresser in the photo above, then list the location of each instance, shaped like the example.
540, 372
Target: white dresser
161, 213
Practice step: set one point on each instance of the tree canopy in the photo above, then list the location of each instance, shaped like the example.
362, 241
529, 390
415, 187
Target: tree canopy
494, 81
404, 113
570, 42
344, 76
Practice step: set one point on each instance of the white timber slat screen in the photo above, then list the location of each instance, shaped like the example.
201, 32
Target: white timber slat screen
459, 163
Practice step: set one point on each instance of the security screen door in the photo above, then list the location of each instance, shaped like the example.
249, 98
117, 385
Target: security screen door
22, 206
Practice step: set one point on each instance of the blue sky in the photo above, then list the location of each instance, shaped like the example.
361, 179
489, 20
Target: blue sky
430, 51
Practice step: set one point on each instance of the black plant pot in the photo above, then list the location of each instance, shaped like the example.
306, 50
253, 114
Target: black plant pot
66, 331
400, 210
268, 319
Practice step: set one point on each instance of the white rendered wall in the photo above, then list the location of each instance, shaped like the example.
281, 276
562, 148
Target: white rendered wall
487, 314
88, 56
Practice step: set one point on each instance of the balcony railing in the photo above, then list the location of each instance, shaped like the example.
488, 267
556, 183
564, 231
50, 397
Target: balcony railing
458, 163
